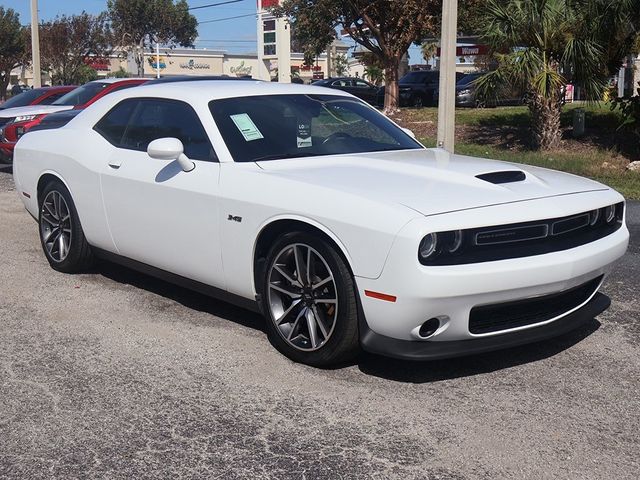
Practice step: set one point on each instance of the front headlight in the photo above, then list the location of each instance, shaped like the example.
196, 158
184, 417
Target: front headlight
428, 246
24, 118
435, 244
464, 92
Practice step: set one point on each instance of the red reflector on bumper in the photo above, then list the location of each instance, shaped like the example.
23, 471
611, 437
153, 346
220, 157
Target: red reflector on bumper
380, 296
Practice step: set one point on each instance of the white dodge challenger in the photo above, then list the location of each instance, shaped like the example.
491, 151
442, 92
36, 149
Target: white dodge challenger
311, 207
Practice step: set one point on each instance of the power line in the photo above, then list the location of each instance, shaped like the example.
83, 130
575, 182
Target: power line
229, 18
214, 4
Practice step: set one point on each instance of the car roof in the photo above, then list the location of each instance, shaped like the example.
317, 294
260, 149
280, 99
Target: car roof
118, 80
225, 89
191, 78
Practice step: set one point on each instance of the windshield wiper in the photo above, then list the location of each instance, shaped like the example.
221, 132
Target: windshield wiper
282, 156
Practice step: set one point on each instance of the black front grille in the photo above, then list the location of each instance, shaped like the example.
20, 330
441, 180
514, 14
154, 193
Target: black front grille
504, 316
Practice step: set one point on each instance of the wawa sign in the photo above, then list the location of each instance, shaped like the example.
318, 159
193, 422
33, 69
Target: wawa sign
470, 50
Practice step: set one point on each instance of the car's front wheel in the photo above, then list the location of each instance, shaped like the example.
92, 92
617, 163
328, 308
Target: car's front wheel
61, 235
308, 296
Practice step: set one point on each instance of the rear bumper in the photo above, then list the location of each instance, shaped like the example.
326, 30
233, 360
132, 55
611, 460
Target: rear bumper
415, 350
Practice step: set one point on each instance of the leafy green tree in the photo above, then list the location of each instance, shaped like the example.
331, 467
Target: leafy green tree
67, 41
138, 24
120, 73
429, 50
386, 28
542, 45
12, 46
341, 65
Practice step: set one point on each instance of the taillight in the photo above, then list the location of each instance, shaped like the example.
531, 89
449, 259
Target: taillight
17, 128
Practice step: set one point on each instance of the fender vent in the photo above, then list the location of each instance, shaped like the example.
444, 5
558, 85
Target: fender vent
508, 176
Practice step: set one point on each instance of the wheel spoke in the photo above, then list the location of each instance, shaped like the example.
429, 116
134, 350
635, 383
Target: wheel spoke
64, 245
295, 323
322, 282
331, 301
311, 325
284, 315
54, 231
288, 293
320, 323
298, 264
287, 277
308, 266
52, 213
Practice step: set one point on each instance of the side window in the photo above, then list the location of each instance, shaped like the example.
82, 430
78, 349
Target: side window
157, 118
52, 98
341, 83
114, 124
361, 84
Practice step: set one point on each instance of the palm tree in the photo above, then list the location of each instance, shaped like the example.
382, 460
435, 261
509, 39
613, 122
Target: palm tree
542, 45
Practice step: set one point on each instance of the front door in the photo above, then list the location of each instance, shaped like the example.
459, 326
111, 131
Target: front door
158, 214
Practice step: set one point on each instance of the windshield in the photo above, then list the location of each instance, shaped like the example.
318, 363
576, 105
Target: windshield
23, 99
81, 95
420, 77
287, 126
468, 79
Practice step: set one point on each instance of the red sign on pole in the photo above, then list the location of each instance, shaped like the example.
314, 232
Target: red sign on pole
269, 3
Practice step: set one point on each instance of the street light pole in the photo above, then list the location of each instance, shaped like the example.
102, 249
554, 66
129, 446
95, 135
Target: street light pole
447, 97
35, 45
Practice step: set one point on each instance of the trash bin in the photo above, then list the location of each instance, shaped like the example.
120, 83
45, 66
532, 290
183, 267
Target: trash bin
578, 122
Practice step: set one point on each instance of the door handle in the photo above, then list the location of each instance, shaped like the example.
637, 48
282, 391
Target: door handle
115, 163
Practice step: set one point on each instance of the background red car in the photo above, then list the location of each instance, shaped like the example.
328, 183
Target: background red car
15, 122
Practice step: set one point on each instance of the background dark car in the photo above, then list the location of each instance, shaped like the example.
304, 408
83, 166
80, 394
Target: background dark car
37, 96
355, 86
466, 94
418, 88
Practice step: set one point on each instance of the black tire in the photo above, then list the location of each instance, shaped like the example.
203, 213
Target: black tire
343, 343
418, 101
79, 257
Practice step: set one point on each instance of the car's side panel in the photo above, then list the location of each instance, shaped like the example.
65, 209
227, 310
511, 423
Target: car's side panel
253, 198
70, 155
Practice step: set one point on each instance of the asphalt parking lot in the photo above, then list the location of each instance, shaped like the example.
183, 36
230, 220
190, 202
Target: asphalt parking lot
113, 374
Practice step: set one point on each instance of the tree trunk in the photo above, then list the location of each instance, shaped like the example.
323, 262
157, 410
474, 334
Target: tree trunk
392, 90
4, 83
545, 121
139, 57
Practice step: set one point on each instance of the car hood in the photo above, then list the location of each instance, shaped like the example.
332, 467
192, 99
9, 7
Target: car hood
429, 181
32, 110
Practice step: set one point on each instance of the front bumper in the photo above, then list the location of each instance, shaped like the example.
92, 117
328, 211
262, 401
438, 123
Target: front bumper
451, 293
411, 350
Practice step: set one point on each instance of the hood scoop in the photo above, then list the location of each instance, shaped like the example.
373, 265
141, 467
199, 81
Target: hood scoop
507, 176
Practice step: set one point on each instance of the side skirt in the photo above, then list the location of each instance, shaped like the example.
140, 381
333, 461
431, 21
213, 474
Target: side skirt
179, 280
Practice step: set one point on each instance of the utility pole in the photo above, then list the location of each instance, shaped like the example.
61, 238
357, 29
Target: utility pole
447, 98
35, 45
157, 60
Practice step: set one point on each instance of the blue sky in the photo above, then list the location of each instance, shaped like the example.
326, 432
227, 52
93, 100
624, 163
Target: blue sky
236, 36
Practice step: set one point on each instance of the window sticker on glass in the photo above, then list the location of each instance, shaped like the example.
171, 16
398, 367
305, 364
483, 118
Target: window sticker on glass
246, 126
304, 135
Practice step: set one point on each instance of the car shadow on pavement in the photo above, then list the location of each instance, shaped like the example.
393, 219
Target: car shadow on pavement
438, 370
183, 296
369, 364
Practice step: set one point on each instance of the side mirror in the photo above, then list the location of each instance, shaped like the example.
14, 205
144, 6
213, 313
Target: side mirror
170, 149
409, 132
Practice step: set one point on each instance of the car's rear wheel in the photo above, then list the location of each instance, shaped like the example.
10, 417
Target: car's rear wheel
61, 235
309, 299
